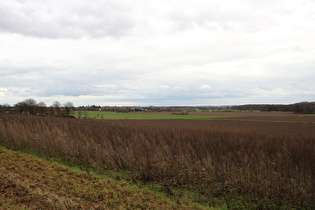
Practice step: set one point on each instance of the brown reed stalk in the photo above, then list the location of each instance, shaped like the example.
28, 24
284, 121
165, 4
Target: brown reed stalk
275, 168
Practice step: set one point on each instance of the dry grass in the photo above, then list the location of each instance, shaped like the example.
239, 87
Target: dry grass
256, 161
29, 182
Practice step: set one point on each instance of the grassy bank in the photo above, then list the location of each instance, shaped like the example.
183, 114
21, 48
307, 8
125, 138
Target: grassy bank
29, 182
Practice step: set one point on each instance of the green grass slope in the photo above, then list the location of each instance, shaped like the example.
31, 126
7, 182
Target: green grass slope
31, 182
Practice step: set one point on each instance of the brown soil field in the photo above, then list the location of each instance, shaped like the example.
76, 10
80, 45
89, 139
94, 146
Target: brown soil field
271, 116
283, 123
265, 116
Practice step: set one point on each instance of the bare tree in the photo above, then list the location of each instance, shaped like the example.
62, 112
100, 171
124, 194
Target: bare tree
304, 107
30, 105
42, 108
68, 107
20, 107
56, 108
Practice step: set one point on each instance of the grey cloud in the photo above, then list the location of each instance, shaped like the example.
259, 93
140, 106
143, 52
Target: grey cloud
51, 82
60, 20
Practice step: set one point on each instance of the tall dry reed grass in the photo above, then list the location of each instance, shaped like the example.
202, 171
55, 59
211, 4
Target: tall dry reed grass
265, 168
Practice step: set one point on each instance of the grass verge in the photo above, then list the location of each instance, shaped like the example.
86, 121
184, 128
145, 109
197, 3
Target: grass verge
31, 182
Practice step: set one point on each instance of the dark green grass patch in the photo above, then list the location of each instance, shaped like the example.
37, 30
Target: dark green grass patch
309, 115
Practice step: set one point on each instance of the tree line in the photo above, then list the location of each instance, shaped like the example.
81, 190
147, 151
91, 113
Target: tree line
298, 108
304, 107
31, 107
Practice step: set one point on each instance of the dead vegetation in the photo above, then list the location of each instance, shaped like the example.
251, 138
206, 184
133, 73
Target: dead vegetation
29, 182
258, 163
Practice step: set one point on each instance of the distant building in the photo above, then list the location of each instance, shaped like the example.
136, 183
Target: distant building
12, 111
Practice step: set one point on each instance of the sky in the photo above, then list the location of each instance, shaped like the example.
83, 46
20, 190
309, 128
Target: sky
157, 52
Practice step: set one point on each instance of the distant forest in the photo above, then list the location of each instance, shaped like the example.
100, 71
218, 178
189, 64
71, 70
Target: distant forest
300, 108
31, 107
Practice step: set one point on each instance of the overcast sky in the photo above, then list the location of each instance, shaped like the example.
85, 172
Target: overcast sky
157, 52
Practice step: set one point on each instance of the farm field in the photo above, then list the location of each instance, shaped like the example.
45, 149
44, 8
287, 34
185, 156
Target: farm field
255, 159
141, 115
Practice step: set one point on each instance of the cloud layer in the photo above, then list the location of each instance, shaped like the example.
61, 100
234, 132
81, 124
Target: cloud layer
157, 52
